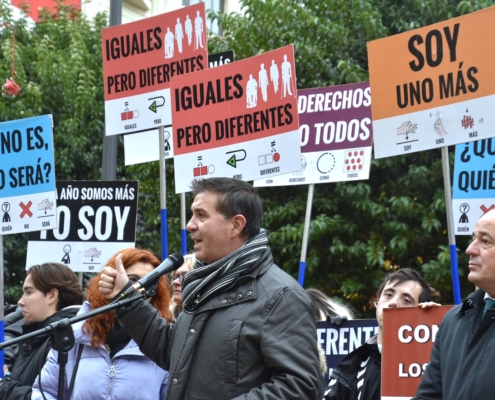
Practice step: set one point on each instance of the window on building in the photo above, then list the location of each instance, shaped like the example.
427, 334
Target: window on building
216, 5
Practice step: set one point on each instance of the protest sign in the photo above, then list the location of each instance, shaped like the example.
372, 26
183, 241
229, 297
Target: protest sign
27, 175
474, 184
96, 219
336, 136
408, 337
238, 121
141, 147
140, 59
433, 87
339, 340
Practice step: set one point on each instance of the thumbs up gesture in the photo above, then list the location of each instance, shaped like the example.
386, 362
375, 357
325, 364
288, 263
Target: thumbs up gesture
113, 280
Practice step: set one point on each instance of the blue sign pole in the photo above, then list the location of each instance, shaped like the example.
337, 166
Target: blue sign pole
2, 303
456, 287
183, 223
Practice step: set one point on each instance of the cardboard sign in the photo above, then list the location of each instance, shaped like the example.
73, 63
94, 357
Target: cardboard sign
237, 121
95, 220
339, 340
408, 337
474, 184
336, 136
433, 87
140, 59
27, 175
141, 147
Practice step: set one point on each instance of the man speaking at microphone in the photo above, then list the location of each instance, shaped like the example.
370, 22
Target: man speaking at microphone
247, 329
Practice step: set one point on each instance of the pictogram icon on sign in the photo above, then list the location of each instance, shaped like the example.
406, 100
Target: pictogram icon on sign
126, 115
486, 209
25, 209
232, 161
325, 163
201, 169
354, 160
464, 209
158, 102
467, 122
93, 252
6, 209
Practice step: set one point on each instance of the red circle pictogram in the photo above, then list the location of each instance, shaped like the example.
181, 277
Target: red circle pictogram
276, 157
360, 166
361, 152
354, 167
348, 167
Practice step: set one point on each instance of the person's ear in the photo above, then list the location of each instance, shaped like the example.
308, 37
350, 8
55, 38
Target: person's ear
238, 223
53, 296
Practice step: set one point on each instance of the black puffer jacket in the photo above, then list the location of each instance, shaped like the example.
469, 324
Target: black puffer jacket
256, 340
30, 359
461, 362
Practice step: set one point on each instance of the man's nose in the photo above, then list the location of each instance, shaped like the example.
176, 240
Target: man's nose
393, 303
472, 249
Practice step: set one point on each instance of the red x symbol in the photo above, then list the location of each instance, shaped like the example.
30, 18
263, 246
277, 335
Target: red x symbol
25, 209
485, 210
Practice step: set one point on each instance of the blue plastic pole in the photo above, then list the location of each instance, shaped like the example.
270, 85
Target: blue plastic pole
454, 269
183, 223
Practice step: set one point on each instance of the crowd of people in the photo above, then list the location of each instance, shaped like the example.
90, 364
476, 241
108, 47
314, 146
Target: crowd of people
230, 324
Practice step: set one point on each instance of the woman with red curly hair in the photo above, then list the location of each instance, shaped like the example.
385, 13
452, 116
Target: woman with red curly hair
109, 363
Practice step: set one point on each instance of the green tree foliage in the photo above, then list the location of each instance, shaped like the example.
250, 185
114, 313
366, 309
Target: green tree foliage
359, 230
59, 69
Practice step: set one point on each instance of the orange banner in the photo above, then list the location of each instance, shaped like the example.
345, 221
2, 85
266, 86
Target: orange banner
143, 56
250, 99
438, 65
408, 337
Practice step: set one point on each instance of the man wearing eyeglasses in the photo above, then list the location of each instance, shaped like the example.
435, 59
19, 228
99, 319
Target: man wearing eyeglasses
461, 360
358, 375
247, 330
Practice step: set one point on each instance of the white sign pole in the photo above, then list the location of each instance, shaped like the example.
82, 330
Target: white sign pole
307, 220
450, 226
163, 194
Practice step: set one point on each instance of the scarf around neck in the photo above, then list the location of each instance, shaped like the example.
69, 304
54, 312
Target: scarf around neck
206, 280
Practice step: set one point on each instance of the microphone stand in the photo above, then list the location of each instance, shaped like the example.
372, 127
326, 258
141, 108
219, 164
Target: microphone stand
62, 334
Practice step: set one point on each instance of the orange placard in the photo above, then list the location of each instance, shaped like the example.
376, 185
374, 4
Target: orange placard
408, 337
239, 102
438, 65
143, 56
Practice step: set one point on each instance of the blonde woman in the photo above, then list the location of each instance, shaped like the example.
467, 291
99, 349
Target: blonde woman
176, 281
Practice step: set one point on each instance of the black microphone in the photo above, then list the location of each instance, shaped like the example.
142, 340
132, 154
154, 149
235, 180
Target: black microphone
171, 263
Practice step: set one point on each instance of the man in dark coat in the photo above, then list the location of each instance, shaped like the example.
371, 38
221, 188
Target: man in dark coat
247, 329
461, 362
358, 375
51, 291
